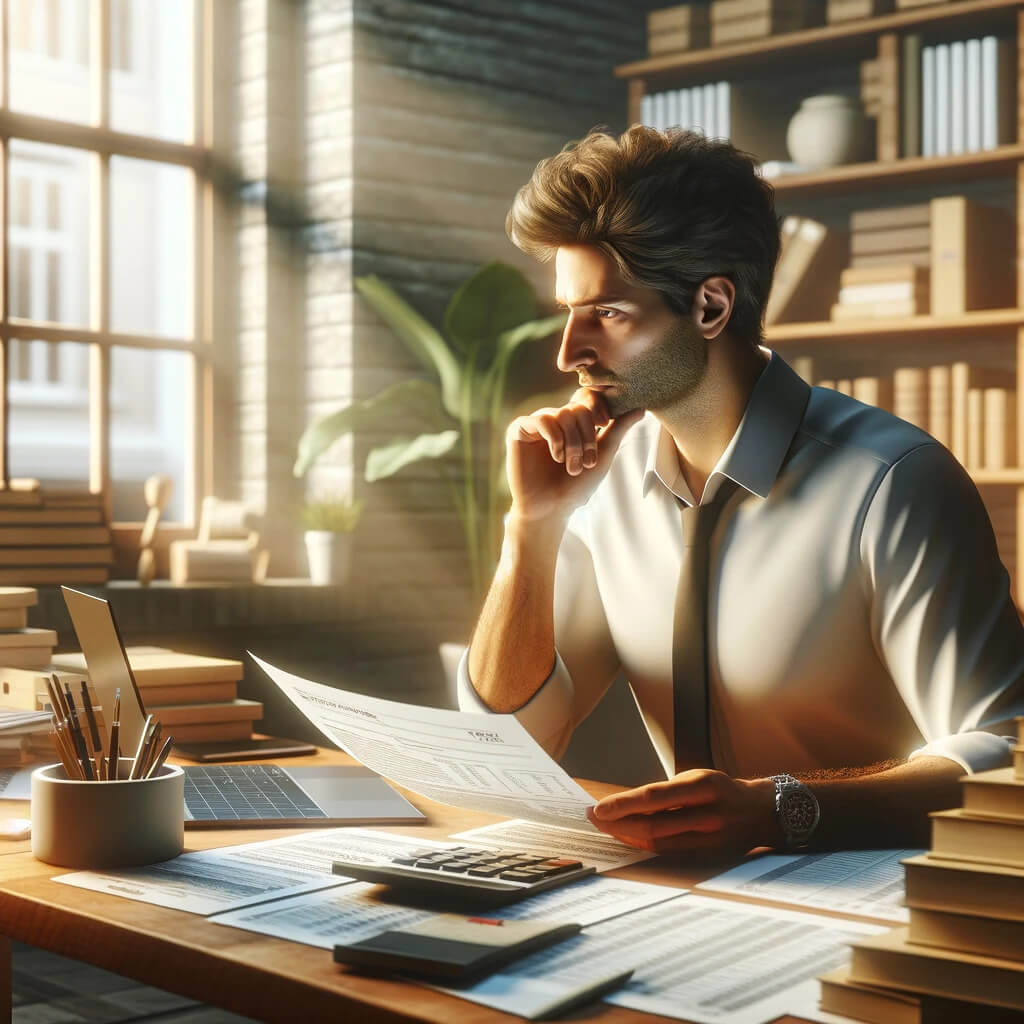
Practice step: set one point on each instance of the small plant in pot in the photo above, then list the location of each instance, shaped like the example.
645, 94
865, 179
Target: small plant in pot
329, 523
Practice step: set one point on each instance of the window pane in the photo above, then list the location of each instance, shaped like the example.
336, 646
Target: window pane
49, 234
49, 53
151, 54
49, 412
152, 215
150, 428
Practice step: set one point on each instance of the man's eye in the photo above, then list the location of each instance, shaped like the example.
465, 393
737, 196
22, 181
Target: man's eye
606, 314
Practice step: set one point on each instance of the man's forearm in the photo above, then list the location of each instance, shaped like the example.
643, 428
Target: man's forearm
513, 646
885, 808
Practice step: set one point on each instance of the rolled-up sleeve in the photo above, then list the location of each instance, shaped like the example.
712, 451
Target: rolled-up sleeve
943, 620
585, 662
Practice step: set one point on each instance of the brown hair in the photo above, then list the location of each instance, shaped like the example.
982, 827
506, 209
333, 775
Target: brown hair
670, 208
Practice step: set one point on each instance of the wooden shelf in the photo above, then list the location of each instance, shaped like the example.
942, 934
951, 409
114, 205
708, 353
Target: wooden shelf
909, 326
916, 170
989, 477
846, 36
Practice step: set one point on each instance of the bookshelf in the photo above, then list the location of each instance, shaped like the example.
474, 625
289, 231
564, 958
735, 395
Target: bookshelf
917, 338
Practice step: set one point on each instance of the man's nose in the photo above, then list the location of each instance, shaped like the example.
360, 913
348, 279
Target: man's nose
576, 348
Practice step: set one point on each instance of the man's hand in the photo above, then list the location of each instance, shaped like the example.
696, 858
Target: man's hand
557, 457
701, 811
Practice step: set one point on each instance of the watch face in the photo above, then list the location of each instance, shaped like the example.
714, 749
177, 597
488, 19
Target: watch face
799, 812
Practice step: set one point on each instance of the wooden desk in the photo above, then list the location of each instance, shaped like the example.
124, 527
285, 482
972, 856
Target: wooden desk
256, 975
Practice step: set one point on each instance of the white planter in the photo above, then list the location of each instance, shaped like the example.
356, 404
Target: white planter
828, 131
329, 555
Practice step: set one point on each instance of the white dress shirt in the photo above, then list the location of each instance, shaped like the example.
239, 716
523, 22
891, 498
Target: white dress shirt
858, 610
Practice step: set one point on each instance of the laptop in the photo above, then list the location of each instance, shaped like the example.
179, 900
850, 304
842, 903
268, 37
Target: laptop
251, 795
240, 795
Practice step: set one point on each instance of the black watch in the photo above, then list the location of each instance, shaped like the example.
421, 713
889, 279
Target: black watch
796, 809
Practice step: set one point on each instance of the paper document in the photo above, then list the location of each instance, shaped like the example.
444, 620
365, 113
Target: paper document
16, 783
867, 882
486, 763
351, 913
211, 881
696, 959
603, 851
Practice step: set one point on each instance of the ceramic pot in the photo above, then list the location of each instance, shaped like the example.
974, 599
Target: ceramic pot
329, 555
827, 131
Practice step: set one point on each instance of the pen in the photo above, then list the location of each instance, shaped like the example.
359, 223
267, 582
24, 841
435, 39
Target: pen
90, 716
113, 755
584, 994
152, 747
80, 746
137, 760
61, 707
161, 757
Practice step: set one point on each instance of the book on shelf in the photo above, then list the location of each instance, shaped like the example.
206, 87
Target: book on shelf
910, 395
957, 97
999, 411
844, 385
966, 385
877, 1005
61, 516
960, 835
890, 960
998, 105
870, 87
806, 280
682, 27
942, 98
837, 11
158, 666
887, 273
973, 113
910, 110
995, 792
940, 404
928, 101
916, 257
885, 218
973, 256
174, 715
876, 391
887, 240
967, 933
45, 536
844, 312
990, 890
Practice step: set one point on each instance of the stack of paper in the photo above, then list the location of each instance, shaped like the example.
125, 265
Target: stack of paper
24, 736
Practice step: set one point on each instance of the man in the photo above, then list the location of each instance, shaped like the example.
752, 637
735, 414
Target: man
859, 628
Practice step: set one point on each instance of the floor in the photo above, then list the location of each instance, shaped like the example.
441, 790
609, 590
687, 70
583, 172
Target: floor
50, 989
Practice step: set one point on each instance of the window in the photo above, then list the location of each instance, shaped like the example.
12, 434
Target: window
104, 297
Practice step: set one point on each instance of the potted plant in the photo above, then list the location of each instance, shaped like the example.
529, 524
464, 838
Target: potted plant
329, 523
463, 405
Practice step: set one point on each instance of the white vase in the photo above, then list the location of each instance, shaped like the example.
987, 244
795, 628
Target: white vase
827, 131
329, 555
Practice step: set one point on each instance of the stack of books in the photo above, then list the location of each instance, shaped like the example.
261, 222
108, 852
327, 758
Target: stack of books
806, 281
683, 27
896, 290
966, 101
984, 416
53, 537
194, 698
965, 939
736, 21
837, 11
22, 646
891, 236
24, 736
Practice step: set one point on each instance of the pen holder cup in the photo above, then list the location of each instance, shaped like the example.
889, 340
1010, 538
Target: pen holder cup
111, 824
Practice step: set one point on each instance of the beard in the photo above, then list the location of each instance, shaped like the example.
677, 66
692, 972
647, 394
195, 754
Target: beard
665, 374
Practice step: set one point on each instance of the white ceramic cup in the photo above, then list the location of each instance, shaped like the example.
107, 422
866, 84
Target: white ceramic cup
107, 824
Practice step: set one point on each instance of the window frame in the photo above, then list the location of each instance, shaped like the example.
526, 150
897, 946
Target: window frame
103, 143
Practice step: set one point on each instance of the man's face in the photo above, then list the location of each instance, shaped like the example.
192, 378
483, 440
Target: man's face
622, 339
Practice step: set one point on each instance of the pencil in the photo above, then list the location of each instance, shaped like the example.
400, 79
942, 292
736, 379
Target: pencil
90, 717
80, 746
62, 706
136, 761
161, 757
113, 755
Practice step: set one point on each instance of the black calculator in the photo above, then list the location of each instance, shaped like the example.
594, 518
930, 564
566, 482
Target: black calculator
483, 877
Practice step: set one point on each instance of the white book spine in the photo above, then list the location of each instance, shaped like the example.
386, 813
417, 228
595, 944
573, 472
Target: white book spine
722, 110
942, 105
989, 93
928, 101
711, 126
672, 109
647, 110
972, 105
957, 97
685, 108
660, 116
697, 109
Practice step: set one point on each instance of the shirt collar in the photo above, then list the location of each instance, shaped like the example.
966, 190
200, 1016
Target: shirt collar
757, 449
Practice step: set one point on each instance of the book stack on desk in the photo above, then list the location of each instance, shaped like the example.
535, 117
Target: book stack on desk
21, 646
194, 698
965, 939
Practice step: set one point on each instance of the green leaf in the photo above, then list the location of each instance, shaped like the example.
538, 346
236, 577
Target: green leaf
418, 336
388, 459
495, 299
418, 396
509, 343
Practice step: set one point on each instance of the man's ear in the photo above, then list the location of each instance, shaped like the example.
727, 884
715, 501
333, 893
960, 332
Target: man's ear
712, 305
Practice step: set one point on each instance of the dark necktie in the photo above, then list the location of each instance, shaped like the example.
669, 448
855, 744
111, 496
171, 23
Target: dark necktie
692, 742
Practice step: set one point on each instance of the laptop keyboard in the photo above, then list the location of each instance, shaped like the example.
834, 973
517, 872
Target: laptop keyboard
243, 792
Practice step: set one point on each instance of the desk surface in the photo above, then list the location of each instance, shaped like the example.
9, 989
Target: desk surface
263, 977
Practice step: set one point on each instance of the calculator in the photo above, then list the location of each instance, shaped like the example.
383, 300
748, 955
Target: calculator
482, 877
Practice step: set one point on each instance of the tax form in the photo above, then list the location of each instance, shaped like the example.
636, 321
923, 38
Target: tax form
486, 763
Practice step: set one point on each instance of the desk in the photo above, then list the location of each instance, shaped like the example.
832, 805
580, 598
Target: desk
259, 976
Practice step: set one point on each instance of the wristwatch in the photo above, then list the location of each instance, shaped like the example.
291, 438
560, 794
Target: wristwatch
796, 809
